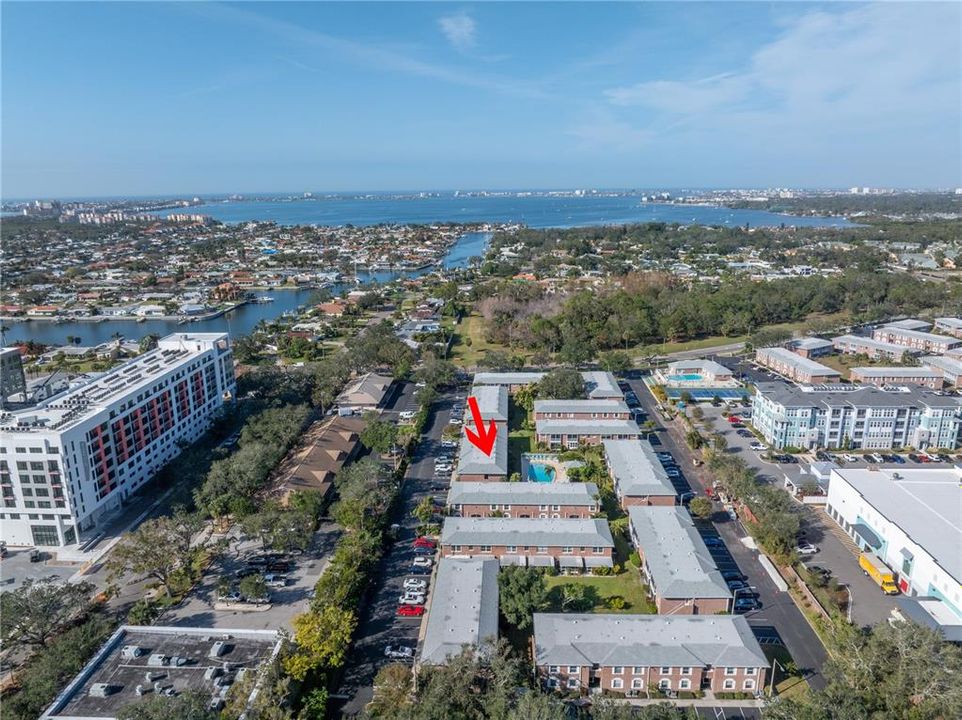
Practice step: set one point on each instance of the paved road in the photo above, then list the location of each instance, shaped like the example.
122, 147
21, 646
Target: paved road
378, 624
777, 610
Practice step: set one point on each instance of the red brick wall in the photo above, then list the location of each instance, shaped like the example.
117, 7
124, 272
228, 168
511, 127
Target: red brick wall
531, 511
698, 606
660, 500
482, 478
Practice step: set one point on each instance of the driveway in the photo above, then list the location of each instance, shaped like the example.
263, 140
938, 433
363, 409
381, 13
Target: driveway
778, 610
379, 625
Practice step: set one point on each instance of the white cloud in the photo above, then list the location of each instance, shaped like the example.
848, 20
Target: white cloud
460, 30
873, 67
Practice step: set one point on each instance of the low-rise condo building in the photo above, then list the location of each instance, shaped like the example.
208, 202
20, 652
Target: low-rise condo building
916, 339
795, 367
572, 433
607, 409
880, 376
637, 473
872, 349
524, 500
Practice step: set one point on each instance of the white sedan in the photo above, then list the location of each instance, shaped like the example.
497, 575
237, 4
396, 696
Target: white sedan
399, 652
415, 584
806, 549
423, 562
411, 598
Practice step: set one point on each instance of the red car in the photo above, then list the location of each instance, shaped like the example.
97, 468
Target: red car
734, 419
425, 542
410, 610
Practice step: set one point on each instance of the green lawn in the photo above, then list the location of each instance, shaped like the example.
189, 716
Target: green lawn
472, 329
787, 685
627, 585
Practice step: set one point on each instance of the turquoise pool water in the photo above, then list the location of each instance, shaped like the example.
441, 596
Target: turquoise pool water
688, 378
540, 473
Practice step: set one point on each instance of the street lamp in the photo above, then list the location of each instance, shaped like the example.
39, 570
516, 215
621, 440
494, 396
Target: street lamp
771, 681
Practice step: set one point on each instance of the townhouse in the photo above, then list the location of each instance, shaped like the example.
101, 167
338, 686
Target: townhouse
463, 610
475, 466
795, 367
950, 326
608, 409
536, 542
600, 385
572, 433
880, 376
909, 324
492, 403
847, 416
524, 500
949, 365
873, 349
916, 339
627, 654
639, 477
811, 347
679, 570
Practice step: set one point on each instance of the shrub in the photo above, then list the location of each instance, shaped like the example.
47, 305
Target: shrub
616, 602
601, 571
634, 559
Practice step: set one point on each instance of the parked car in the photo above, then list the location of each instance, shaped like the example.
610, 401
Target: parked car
425, 549
819, 572
870, 459
410, 610
424, 542
423, 562
449, 443
914, 458
230, 597
757, 447
276, 581
419, 569
848, 457
415, 584
399, 652
823, 456
37, 555
406, 414
734, 585
746, 604
411, 598
732, 575
246, 571
734, 419
898, 459
806, 549
713, 541
745, 434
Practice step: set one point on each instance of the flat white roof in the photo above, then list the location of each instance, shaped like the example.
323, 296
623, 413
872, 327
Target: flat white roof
925, 503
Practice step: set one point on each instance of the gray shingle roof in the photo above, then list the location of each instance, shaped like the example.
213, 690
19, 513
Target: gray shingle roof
636, 469
600, 384
646, 640
507, 378
679, 563
471, 461
492, 402
464, 608
603, 405
586, 427
796, 361
522, 493
530, 532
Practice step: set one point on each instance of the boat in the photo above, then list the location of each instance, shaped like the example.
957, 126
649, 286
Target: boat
263, 300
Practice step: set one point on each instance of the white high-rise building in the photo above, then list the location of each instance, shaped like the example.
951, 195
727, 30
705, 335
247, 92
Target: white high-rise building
72, 460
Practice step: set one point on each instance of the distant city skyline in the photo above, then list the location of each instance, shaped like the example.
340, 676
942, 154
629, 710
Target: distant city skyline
157, 99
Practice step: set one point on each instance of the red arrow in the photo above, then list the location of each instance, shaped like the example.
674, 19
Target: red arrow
482, 439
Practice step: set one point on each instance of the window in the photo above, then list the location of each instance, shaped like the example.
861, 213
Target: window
573, 668
618, 670
664, 684
617, 683
751, 671
749, 685
638, 670
729, 684
45, 535
686, 671
729, 671
666, 671
512, 548
553, 668
597, 550
484, 548
552, 683
542, 548
572, 682
684, 684
566, 549
637, 683
493, 507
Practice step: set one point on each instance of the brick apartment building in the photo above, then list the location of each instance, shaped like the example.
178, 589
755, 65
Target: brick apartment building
524, 500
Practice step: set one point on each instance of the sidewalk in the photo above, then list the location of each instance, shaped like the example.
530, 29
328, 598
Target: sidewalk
702, 702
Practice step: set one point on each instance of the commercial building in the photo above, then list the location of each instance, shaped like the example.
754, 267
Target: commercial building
680, 571
916, 339
950, 326
880, 376
630, 653
72, 460
12, 379
948, 365
463, 611
572, 544
795, 367
848, 416
638, 476
492, 403
475, 466
873, 349
524, 500
572, 433
139, 662
912, 519
581, 410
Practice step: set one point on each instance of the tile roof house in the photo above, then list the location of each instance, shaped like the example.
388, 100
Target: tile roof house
366, 392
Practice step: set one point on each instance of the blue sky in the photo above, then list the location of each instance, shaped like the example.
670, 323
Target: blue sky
153, 98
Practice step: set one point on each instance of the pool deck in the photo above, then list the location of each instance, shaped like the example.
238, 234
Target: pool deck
552, 461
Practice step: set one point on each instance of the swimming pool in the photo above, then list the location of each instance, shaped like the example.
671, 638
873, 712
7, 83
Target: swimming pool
691, 377
540, 473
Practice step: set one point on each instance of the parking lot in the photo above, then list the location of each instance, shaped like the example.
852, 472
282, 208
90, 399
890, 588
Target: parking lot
202, 606
16, 567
